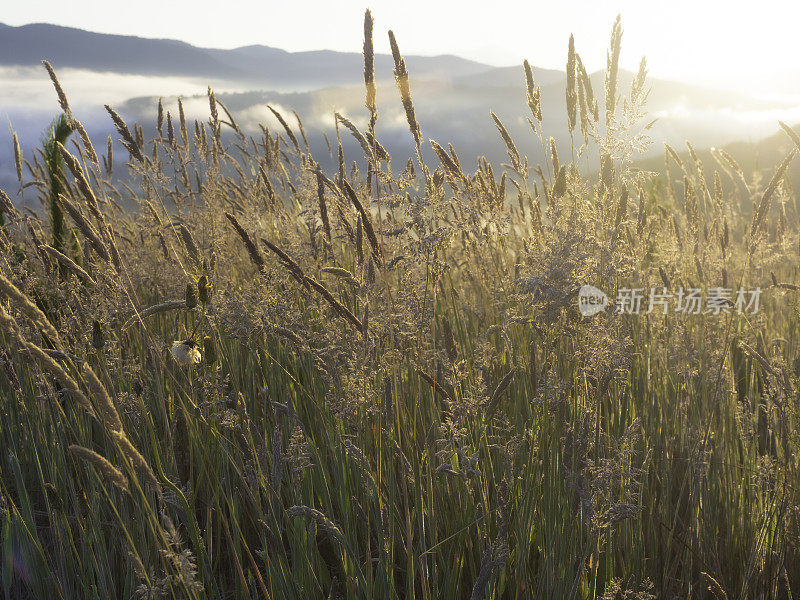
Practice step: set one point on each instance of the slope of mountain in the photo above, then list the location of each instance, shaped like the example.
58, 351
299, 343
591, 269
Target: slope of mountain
264, 66
752, 157
28, 45
457, 112
512, 77
452, 96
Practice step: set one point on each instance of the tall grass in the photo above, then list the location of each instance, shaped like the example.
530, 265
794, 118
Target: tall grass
57, 133
396, 396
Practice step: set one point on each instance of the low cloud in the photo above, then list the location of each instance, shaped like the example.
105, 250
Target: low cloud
447, 112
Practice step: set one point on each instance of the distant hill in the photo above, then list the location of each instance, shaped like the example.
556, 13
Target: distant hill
452, 96
264, 66
512, 77
457, 112
752, 157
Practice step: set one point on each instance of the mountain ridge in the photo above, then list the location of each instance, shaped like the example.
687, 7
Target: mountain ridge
453, 97
70, 47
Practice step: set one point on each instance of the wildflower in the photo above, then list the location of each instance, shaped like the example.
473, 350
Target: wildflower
185, 353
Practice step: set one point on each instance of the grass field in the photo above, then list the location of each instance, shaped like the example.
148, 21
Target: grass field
272, 381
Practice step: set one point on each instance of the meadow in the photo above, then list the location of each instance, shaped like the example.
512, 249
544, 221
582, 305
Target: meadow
228, 373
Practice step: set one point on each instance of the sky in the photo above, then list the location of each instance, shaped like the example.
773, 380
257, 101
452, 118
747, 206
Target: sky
732, 44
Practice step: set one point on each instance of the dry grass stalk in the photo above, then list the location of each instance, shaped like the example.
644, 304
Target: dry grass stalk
252, 250
368, 229
83, 183
160, 118
17, 156
45, 361
438, 388
511, 148
154, 310
572, 96
109, 158
106, 469
533, 93
765, 203
231, 122
286, 261
302, 130
182, 119
286, 128
85, 228
365, 145
130, 143
448, 163
494, 399
338, 307
102, 400
714, 587
401, 78
68, 263
136, 458
87, 143
25, 305
369, 62
323, 206
8, 207
188, 241
62, 97
612, 69
586, 84
496, 554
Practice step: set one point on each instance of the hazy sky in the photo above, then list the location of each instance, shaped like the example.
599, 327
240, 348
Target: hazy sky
736, 44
